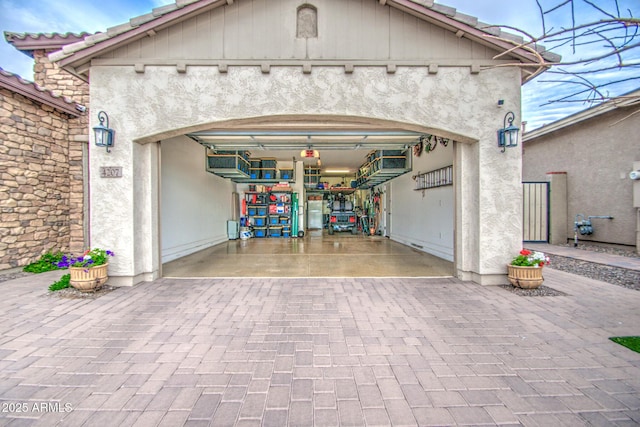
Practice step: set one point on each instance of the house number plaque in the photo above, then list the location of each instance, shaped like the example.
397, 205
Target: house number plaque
110, 171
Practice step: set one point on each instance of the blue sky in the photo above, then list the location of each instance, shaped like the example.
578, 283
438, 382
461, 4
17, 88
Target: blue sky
92, 15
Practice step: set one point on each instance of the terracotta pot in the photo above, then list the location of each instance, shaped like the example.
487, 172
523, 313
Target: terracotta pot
525, 277
88, 279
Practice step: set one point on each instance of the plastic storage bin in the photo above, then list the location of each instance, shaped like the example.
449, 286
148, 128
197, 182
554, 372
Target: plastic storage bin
275, 231
286, 173
259, 221
268, 162
268, 173
260, 231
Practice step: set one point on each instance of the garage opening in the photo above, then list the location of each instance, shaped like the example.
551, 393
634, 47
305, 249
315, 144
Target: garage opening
307, 201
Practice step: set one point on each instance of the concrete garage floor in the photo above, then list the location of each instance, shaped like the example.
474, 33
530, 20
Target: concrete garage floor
315, 255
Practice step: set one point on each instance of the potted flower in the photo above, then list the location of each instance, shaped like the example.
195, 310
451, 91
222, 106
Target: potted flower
89, 271
525, 270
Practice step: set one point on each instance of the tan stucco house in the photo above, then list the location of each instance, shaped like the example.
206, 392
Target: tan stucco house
588, 158
401, 71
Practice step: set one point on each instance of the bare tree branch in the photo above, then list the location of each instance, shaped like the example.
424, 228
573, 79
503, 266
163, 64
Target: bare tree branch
609, 41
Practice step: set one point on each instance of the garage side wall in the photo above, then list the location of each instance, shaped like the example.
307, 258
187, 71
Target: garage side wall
424, 219
195, 204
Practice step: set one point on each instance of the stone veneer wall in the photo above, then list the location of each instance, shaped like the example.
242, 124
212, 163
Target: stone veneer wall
34, 180
50, 76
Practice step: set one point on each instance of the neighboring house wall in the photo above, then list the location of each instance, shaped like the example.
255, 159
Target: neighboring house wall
34, 180
59, 82
597, 154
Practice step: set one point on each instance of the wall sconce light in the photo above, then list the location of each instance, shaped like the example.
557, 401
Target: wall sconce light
103, 134
508, 135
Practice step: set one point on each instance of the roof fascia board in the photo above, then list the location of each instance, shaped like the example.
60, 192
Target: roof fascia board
27, 43
82, 56
451, 24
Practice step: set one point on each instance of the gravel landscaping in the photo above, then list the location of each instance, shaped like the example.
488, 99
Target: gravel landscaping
73, 293
541, 291
616, 276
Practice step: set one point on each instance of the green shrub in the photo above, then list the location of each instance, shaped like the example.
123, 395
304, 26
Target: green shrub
47, 262
61, 284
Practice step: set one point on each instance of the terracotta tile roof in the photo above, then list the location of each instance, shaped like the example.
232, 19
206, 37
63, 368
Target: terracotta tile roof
28, 42
17, 84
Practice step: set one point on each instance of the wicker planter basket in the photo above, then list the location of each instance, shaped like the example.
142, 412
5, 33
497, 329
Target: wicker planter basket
88, 279
525, 277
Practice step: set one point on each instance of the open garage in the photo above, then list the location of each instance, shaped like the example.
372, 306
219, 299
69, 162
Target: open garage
334, 94
347, 196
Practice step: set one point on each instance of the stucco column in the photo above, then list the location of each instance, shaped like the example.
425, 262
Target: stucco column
558, 209
489, 197
123, 210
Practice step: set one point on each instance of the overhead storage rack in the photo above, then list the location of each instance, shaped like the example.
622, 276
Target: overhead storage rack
228, 164
240, 168
382, 166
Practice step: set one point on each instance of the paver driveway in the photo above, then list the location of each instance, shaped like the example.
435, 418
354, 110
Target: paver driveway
305, 352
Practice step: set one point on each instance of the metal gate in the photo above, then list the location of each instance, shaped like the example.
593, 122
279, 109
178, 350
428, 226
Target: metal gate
535, 210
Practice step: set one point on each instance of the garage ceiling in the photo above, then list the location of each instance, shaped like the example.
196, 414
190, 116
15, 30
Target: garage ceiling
339, 149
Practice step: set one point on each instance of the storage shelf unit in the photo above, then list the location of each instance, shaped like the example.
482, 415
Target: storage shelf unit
334, 190
382, 166
270, 212
311, 177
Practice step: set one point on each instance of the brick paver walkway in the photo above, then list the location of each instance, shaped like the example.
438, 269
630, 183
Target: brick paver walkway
321, 352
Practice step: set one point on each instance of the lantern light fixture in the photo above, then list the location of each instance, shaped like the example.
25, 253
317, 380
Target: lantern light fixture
104, 136
508, 135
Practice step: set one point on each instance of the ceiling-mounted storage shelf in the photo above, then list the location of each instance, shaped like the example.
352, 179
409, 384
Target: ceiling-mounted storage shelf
240, 168
382, 166
228, 164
